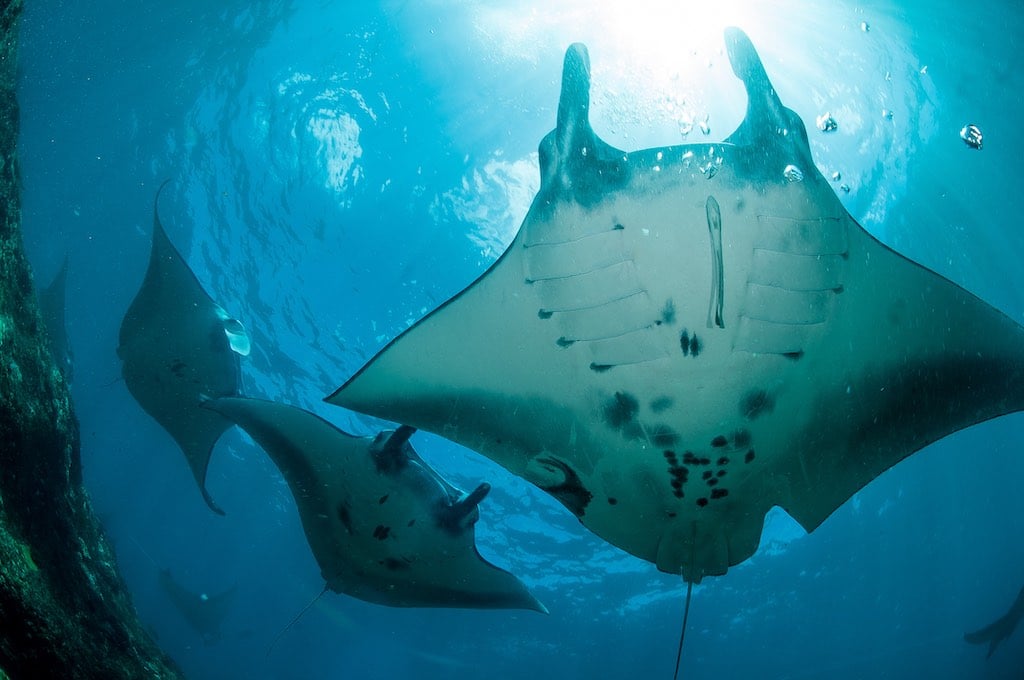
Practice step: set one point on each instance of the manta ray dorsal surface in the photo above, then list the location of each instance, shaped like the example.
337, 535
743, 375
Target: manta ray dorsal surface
52, 303
382, 525
203, 611
680, 338
176, 345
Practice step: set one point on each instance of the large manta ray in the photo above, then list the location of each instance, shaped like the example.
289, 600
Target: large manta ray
680, 338
179, 347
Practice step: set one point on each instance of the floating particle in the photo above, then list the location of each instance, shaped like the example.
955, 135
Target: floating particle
864, 26
793, 174
836, 176
887, 114
924, 70
705, 125
826, 123
845, 188
971, 134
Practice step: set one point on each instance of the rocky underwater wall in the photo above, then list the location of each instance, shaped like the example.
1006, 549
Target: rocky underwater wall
64, 610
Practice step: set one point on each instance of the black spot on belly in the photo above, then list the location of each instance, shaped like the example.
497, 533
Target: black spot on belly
668, 312
345, 516
618, 227
690, 345
719, 493
563, 343
570, 492
707, 474
381, 532
701, 502
544, 314
719, 441
713, 481
721, 473
661, 404
749, 457
383, 499
393, 564
795, 356
755, 404
600, 368
671, 514
411, 522
613, 501
621, 410
724, 460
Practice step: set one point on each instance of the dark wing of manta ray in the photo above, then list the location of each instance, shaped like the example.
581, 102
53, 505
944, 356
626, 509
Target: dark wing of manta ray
204, 612
52, 302
178, 347
680, 338
382, 525
1001, 628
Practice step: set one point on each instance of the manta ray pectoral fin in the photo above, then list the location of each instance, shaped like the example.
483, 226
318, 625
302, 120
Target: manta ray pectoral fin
208, 498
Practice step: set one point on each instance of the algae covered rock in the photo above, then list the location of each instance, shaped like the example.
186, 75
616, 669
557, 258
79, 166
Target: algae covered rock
64, 610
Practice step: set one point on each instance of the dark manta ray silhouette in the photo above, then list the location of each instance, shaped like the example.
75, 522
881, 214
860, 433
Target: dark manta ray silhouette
52, 309
204, 612
178, 347
382, 525
1001, 628
680, 338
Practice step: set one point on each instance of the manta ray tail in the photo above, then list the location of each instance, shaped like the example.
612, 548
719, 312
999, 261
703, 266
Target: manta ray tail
295, 620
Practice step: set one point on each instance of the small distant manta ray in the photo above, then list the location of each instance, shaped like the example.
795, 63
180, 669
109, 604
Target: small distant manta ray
52, 309
179, 347
1001, 628
203, 612
382, 524
680, 338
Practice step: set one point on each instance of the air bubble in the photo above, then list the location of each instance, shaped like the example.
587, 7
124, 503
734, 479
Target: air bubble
971, 134
826, 123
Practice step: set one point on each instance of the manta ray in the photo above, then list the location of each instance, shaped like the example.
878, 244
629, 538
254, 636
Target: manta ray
203, 612
52, 309
179, 347
383, 526
1001, 628
680, 338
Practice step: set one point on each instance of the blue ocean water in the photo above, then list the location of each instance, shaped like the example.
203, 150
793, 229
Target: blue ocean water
339, 169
